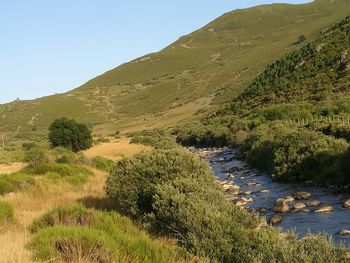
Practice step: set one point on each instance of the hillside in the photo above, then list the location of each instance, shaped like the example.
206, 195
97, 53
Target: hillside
211, 65
293, 120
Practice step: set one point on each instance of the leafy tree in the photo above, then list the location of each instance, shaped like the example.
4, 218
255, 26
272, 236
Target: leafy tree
70, 134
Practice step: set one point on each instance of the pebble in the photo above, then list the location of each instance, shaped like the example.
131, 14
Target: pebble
344, 232
302, 195
324, 209
346, 203
313, 203
298, 206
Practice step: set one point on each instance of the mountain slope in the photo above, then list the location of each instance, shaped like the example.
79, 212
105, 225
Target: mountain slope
166, 88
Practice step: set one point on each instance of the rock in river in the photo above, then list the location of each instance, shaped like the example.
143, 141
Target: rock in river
298, 206
276, 219
281, 206
324, 209
346, 203
302, 195
344, 232
313, 203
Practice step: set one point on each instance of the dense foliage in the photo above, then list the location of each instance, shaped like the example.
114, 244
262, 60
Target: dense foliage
174, 194
70, 134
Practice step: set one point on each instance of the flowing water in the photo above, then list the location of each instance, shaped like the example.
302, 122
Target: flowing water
301, 222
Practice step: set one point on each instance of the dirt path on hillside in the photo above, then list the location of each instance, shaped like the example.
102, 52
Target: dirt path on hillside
11, 168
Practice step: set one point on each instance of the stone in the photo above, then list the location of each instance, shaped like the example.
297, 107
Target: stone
298, 206
240, 203
248, 192
324, 209
264, 191
289, 198
313, 203
252, 183
247, 200
276, 219
281, 206
302, 195
346, 203
344, 232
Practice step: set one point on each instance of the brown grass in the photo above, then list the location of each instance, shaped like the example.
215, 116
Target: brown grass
115, 149
11, 168
35, 202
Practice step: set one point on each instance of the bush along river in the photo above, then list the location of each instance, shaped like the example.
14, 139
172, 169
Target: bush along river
304, 208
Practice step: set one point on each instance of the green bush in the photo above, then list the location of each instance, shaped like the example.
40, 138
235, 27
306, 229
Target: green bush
14, 182
293, 153
174, 194
156, 138
70, 134
102, 163
74, 215
73, 244
36, 156
129, 243
7, 214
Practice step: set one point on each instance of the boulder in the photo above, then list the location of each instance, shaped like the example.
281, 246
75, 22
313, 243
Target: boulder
298, 206
281, 206
344, 232
346, 203
276, 219
324, 209
313, 203
302, 195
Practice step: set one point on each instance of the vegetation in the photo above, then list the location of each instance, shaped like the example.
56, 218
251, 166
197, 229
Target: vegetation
72, 233
14, 182
102, 163
174, 194
70, 134
157, 138
7, 214
293, 119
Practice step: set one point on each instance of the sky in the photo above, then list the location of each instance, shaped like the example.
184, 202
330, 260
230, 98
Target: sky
49, 47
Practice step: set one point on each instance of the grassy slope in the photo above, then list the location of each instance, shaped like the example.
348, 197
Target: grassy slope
165, 88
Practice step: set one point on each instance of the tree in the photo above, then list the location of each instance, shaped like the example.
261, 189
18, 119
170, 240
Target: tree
70, 134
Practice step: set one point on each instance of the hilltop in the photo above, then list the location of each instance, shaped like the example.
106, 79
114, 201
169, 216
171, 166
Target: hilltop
208, 67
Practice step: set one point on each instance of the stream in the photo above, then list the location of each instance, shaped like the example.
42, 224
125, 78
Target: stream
302, 222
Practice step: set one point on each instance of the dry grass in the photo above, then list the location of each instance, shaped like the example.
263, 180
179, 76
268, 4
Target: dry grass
35, 202
116, 149
11, 168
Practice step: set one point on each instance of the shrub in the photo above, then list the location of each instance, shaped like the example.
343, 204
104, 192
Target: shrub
7, 214
130, 243
102, 163
74, 215
13, 182
293, 153
156, 138
70, 134
174, 194
73, 244
36, 157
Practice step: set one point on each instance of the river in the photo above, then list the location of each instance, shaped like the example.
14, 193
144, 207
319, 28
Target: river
302, 222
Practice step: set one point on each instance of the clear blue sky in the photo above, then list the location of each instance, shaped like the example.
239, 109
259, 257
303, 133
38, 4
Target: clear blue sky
49, 46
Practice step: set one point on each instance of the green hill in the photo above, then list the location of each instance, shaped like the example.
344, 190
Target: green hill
210, 66
293, 120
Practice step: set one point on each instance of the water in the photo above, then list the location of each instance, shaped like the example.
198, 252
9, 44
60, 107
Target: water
301, 222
